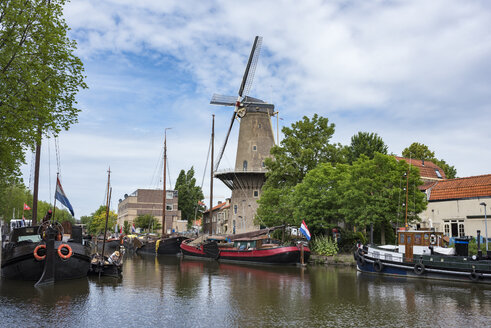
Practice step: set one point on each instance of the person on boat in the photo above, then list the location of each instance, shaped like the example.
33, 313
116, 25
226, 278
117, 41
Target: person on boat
48, 215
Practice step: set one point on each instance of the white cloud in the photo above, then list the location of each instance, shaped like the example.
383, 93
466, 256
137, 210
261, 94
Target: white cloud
410, 71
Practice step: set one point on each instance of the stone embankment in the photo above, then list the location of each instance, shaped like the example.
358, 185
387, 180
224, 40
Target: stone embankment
338, 259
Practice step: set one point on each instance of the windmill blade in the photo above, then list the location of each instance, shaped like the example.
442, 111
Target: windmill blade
250, 70
223, 100
222, 150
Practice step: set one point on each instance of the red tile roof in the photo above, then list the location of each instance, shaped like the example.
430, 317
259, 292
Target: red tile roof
222, 206
427, 169
470, 187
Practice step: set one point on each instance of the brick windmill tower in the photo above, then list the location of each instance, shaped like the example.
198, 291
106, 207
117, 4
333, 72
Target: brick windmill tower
255, 141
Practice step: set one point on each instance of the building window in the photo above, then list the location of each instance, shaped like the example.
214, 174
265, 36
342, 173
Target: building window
235, 209
259, 125
256, 193
447, 229
169, 195
254, 147
169, 207
438, 174
244, 165
263, 165
461, 230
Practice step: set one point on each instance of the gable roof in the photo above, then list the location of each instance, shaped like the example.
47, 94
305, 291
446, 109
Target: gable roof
427, 169
220, 206
461, 188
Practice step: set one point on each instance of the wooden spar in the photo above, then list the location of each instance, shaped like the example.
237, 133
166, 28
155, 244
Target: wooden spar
252, 234
211, 180
407, 191
164, 228
36, 180
108, 200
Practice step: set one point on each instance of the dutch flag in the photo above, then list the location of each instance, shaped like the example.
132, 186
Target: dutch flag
305, 230
61, 197
133, 230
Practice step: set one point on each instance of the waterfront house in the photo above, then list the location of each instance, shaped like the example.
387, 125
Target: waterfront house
220, 222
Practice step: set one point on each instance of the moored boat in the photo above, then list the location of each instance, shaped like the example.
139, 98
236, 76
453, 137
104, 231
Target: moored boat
421, 254
259, 249
167, 246
26, 255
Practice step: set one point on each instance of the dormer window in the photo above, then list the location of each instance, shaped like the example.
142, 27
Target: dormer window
438, 174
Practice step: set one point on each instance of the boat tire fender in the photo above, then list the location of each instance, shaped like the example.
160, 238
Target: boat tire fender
378, 266
360, 261
474, 276
36, 255
432, 239
419, 268
60, 253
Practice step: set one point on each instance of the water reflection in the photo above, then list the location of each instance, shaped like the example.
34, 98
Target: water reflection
178, 292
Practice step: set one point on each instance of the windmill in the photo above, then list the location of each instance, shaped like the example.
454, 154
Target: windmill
255, 141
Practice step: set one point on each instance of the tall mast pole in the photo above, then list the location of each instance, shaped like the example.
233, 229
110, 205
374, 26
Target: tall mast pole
108, 199
36, 180
211, 180
407, 190
164, 227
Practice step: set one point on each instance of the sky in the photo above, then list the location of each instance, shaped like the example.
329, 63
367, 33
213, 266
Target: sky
410, 71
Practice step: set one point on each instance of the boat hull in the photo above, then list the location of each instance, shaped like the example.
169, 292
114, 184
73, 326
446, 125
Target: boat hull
166, 246
19, 262
428, 267
274, 255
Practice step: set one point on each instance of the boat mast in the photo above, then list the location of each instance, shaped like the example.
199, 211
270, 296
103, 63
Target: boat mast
108, 199
211, 180
407, 190
36, 180
164, 228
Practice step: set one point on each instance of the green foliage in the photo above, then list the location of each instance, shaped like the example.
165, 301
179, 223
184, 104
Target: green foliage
126, 227
325, 245
147, 222
349, 239
375, 191
367, 144
39, 78
421, 151
319, 196
14, 197
98, 220
189, 196
304, 146
473, 247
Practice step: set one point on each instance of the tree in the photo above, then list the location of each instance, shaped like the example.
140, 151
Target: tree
39, 78
418, 151
12, 199
375, 193
98, 220
305, 145
147, 222
422, 152
126, 227
367, 144
318, 198
189, 196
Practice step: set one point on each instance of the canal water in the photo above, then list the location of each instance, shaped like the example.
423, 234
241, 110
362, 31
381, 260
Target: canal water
169, 291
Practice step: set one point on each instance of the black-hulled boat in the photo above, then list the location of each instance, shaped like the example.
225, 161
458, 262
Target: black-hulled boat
165, 246
419, 254
30, 252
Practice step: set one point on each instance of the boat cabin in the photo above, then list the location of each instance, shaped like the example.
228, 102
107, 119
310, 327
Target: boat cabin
25, 234
253, 243
418, 242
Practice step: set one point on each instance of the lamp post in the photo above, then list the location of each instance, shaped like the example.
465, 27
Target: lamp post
485, 225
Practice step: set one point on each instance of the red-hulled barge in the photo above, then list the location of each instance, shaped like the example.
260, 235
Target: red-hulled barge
251, 250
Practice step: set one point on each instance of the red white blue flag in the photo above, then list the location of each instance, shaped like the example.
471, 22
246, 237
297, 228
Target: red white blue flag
305, 230
61, 197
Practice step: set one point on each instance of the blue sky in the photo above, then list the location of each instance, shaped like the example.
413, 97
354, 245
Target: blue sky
410, 71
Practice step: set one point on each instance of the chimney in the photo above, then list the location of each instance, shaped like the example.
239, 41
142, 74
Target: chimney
423, 161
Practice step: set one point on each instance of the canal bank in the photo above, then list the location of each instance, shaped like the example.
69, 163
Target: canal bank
338, 259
